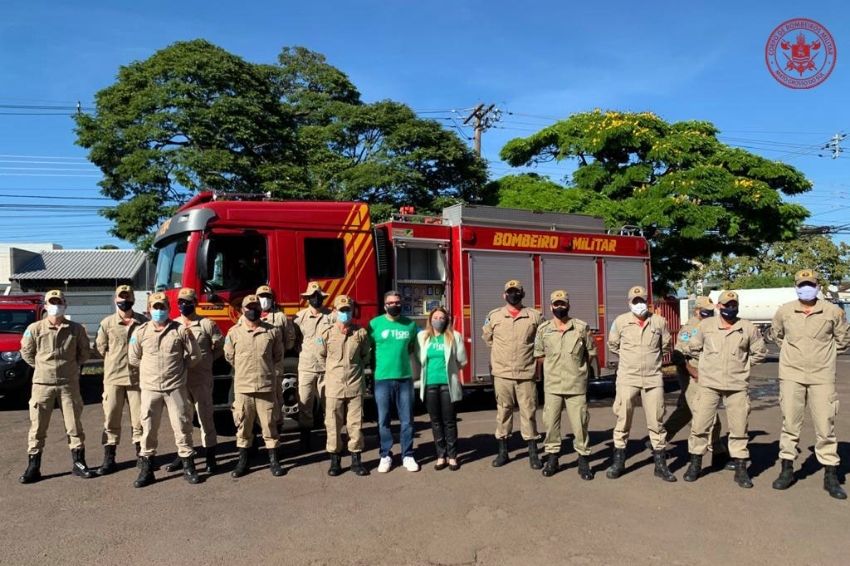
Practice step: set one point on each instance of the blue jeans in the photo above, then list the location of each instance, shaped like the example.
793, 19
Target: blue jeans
399, 392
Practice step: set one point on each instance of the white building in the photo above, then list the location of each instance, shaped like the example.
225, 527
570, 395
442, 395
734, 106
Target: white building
6, 258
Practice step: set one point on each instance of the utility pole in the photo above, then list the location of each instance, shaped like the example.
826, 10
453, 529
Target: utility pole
482, 119
834, 145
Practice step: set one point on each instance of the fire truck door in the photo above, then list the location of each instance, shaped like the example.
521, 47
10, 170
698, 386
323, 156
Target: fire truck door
488, 272
576, 275
620, 276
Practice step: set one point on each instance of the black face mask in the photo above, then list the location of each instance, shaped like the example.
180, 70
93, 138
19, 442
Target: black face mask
252, 314
706, 313
561, 312
124, 305
394, 310
316, 300
186, 309
729, 312
514, 297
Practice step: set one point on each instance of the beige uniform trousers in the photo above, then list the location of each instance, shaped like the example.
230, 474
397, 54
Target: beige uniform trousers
511, 392
683, 414
201, 400
176, 402
705, 413
113, 410
248, 407
576, 413
311, 390
823, 406
41, 405
346, 413
652, 399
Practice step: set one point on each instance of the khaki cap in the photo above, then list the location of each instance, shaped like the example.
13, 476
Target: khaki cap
727, 296
312, 288
513, 284
806, 276
343, 301
559, 295
54, 294
704, 302
187, 293
158, 298
637, 291
123, 289
250, 299
264, 290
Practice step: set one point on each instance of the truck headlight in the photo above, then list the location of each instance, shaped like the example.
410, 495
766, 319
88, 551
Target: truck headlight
10, 356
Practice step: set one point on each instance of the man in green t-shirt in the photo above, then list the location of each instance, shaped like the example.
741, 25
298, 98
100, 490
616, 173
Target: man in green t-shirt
394, 342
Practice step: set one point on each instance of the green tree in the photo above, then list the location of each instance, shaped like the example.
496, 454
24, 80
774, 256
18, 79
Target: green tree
691, 195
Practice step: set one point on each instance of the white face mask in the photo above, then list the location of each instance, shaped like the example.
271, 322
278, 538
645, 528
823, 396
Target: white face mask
807, 293
55, 310
639, 309
266, 303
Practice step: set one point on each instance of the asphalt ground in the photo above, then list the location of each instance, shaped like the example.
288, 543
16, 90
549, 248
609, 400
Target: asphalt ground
478, 515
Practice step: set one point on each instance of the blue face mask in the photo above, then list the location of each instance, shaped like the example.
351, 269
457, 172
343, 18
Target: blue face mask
807, 293
159, 315
344, 317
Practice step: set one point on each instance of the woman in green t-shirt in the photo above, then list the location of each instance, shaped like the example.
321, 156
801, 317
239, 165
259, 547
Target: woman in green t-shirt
441, 356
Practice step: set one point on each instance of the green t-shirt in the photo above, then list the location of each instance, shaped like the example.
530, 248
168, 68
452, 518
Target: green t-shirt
435, 362
393, 341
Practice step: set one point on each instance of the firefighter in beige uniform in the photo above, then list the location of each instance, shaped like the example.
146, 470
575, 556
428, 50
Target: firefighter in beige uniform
348, 351
199, 380
640, 339
254, 348
727, 347
312, 323
56, 348
510, 332
270, 314
120, 379
164, 351
565, 348
810, 332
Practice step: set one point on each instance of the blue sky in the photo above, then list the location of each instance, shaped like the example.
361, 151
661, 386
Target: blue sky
705, 62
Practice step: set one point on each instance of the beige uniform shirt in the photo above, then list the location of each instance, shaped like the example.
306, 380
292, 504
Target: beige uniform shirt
210, 344
566, 355
255, 355
511, 341
640, 349
113, 338
163, 356
312, 327
726, 354
348, 354
56, 352
809, 342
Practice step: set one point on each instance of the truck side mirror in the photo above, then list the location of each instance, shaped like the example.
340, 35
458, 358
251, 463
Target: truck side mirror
201, 260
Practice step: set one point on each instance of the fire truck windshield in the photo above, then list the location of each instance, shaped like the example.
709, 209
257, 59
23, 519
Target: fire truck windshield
13, 320
169, 264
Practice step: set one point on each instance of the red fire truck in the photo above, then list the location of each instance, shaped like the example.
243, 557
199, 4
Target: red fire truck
225, 247
16, 313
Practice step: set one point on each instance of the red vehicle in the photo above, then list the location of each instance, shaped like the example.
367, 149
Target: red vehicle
460, 259
16, 313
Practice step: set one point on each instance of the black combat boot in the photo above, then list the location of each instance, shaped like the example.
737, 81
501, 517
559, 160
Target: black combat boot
551, 466
533, 458
274, 463
146, 476
694, 469
79, 468
786, 475
742, 478
305, 441
357, 465
175, 464
336, 468
618, 464
242, 465
209, 456
108, 465
831, 483
661, 469
33, 472
584, 471
189, 472
502, 457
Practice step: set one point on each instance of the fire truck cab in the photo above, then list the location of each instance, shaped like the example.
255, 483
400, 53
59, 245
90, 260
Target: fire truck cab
460, 259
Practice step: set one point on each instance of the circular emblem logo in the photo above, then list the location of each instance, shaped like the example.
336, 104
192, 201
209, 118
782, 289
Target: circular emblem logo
800, 53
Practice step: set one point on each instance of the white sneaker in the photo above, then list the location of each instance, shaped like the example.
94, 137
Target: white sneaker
385, 464
409, 463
